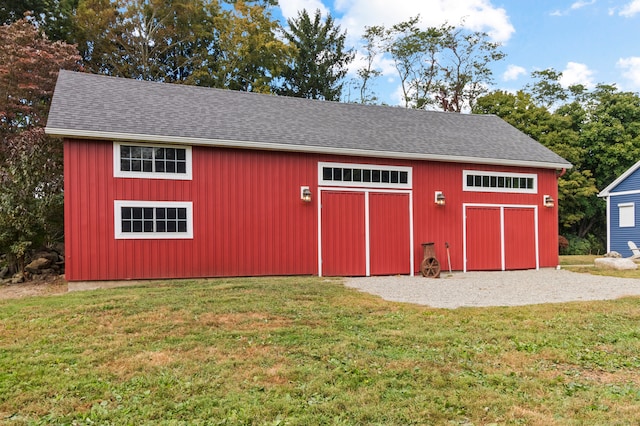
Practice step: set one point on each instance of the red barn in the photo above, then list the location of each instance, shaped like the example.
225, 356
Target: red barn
168, 181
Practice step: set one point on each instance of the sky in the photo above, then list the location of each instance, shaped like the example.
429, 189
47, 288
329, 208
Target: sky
589, 41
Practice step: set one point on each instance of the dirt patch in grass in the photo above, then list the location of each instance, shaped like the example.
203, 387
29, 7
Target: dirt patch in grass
41, 287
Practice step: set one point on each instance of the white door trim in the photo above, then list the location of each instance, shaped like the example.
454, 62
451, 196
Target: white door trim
366, 192
502, 208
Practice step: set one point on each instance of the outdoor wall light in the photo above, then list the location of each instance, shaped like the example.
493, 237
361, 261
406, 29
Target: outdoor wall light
548, 201
439, 198
305, 194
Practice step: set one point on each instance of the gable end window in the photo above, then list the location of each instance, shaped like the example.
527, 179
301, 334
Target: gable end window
153, 220
479, 181
627, 215
151, 161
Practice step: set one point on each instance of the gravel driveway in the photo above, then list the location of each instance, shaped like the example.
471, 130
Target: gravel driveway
509, 288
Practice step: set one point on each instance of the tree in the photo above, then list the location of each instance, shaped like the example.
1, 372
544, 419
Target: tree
465, 68
54, 17
30, 162
248, 53
319, 65
146, 39
368, 73
439, 67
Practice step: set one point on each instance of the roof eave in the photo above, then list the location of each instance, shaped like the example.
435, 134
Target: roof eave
115, 136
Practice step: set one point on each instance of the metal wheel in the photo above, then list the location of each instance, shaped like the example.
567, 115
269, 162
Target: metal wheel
430, 267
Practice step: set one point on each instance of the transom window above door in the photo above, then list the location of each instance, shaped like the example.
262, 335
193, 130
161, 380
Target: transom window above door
364, 175
152, 161
481, 181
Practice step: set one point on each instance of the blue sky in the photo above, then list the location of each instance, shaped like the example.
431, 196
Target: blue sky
590, 41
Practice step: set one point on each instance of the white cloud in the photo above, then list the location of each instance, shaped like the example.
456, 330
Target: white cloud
575, 6
631, 70
576, 73
580, 4
513, 72
354, 15
630, 9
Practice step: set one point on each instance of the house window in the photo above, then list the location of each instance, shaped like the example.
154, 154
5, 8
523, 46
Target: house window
153, 220
364, 175
152, 161
478, 181
627, 215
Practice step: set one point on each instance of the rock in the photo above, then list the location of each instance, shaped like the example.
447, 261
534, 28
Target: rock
51, 255
620, 264
38, 264
613, 254
18, 278
4, 272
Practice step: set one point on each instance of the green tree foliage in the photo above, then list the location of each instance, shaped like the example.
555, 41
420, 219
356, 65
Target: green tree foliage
145, 39
444, 67
30, 162
53, 16
248, 53
320, 63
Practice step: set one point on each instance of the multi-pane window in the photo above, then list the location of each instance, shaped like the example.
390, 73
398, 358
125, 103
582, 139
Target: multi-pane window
158, 219
339, 174
159, 162
153, 219
499, 182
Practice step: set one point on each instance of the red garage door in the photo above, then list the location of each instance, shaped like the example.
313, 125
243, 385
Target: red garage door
520, 238
389, 232
343, 234
500, 238
484, 235
347, 249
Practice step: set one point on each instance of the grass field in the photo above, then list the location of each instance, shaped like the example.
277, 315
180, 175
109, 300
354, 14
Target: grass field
307, 350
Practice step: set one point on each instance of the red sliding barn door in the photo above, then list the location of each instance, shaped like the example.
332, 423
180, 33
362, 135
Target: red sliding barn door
389, 231
501, 238
519, 238
484, 239
343, 234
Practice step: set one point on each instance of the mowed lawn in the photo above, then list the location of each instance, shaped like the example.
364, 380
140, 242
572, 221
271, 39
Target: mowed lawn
307, 350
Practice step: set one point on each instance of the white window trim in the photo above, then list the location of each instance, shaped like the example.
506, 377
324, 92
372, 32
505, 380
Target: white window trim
119, 235
352, 184
629, 216
151, 175
466, 188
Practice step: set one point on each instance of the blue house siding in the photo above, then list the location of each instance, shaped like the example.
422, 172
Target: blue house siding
619, 236
625, 190
630, 183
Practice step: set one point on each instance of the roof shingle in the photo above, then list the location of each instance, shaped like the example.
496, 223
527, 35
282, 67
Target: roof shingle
93, 106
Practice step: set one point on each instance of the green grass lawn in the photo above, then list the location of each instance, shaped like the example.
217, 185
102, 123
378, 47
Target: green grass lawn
307, 350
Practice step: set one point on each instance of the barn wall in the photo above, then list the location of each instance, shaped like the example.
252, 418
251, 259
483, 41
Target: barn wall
248, 216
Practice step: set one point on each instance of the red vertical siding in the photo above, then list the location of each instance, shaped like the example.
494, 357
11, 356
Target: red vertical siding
248, 216
389, 232
343, 233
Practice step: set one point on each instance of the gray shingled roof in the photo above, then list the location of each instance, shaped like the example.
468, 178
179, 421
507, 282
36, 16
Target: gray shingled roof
93, 106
